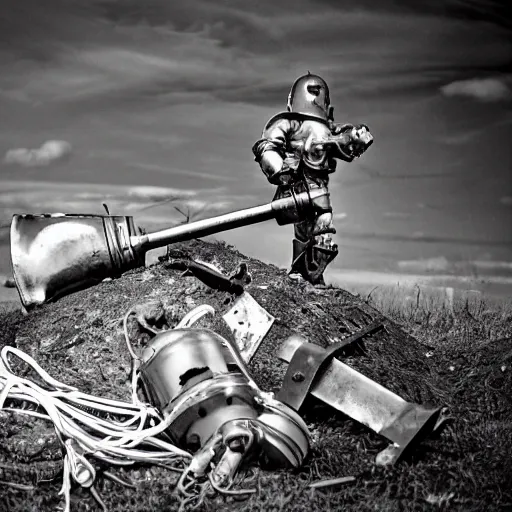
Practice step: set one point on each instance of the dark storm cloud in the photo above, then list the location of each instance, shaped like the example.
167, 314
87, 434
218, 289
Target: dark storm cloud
491, 11
236, 53
33, 30
496, 12
226, 23
173, 94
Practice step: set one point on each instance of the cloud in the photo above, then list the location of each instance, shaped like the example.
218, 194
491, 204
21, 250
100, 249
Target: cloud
492, 265
482, 89
436, 264
200, 205
506, 200
237, 53
44, 194
152, 206
50, 152
158, 193
187, 172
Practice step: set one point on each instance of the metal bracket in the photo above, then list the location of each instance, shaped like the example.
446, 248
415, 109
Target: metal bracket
213, 277
310, 360
315, 370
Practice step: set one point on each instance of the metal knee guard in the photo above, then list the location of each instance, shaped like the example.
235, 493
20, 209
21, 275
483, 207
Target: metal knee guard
310, 259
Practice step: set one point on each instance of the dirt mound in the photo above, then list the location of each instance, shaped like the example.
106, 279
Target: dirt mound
78, 341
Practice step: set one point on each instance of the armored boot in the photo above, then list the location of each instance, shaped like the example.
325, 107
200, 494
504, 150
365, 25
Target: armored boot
311, 258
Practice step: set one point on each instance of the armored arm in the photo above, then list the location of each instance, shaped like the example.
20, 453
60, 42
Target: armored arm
347, 141
270, 151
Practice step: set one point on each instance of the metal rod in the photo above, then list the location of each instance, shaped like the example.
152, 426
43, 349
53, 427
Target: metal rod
212, 225
332, 481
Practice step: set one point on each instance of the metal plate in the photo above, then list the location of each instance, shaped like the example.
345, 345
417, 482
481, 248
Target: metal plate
362, 399
249, 323
307, 363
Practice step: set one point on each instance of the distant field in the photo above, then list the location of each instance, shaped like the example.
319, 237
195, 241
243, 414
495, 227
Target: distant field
400, 300
363, 281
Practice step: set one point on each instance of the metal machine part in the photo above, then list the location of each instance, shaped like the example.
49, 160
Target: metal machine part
200, 383
57, 254
308, 361
315, 370
249, 323
211, 276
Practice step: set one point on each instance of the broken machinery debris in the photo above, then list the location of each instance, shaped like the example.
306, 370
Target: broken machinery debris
201, 412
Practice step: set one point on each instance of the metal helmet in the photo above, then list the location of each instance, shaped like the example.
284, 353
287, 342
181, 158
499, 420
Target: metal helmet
309, 95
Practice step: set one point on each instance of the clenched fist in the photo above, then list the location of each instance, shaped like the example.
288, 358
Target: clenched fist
360, 139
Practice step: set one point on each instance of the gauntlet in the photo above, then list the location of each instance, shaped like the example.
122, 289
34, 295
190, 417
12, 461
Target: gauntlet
347, 141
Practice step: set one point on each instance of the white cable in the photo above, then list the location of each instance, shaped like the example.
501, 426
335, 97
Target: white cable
85, 433
80, 420
194, 316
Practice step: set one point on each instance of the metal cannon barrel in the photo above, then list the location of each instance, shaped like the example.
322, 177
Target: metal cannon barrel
285, 210
57, 254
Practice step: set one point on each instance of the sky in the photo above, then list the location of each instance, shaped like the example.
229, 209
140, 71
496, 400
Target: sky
151, 105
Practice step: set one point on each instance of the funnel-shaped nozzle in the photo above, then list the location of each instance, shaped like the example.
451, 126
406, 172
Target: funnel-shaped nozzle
54, 255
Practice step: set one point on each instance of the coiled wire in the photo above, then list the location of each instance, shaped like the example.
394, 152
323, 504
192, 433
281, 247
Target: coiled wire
112, 431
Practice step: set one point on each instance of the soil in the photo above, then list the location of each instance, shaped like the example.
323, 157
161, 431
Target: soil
78, 340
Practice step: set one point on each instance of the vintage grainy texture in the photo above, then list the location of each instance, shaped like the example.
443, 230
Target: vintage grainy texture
149, 109
462, 361
102, 97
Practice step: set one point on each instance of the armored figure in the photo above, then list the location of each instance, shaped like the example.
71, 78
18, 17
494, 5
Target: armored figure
297, 152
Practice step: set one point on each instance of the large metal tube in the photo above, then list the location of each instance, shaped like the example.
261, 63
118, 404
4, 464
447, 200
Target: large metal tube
204, 227
285, 210
57, 254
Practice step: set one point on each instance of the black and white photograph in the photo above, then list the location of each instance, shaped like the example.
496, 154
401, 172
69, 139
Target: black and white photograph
255, 256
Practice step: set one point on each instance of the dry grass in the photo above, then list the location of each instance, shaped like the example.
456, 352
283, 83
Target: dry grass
461, 358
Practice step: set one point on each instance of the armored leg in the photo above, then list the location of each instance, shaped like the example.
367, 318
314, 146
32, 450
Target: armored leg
312, 252
313, 248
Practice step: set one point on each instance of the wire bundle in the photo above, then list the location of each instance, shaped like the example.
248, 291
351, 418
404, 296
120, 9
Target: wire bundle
112, 431
116, 432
